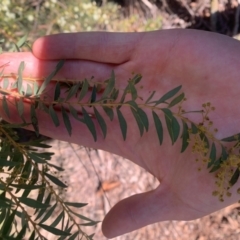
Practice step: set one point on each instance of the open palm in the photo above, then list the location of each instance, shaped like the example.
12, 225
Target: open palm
205, 64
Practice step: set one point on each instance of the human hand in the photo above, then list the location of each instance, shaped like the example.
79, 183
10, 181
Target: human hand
205, 64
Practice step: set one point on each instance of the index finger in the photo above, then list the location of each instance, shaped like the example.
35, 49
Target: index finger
102, 47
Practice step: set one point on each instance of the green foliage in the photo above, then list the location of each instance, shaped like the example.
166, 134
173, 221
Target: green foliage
17, 17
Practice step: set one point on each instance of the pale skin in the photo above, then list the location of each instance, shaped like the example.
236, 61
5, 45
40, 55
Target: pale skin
205, 64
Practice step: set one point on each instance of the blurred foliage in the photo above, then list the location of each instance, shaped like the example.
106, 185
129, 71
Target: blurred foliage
43, 17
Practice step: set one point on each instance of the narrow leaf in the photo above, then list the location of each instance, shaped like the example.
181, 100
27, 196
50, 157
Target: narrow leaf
6, 228
29, 91
176, 100
66, 121
54, 231
22, 41
101, 122
74, 113
123, 123
234, 177
168, 95
212, 155
144, 118
57, 91
34, 120
5, 106
93, 95
139, 121
133, 91
110, 86
158, 126
88, 121
49, 78
19, 80
73, 90
74, 204
5, 83
58, 219
232, 138
32, 203
185, 137
54, 116
109, 112
55, 180
150, 97
48, 213
84, 90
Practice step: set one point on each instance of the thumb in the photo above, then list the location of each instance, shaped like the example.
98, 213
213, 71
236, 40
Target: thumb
137, 211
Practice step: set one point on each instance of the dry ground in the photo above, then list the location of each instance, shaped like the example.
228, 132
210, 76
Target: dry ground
120, 178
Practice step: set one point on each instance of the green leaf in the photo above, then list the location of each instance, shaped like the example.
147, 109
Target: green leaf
84, 90
22, 233
150, 97
58, 219
73, 237
29, 91
19, 80
7, 225
101, 122
139, 121
27, 186
35, 88
49, 78
73, 90
35, 157
114, 94
80, 216
20, 107
185, 137
136, 79
212, 155
175, 129
90, 223
66, 121
123, 123
233, 138
172, 125
48, 213
223, 157
109, 112
32, 203
74, 113
144, 118
88, 121
32, 237
176, 100
133, 92
47, 202
54, 116
194, 129
4, 204
168, 95
110, 86
93, 95
91, 236
22, 41
54, 166
5, 106
234, 177
75, 204
5, 83
54, 231
158, 126
57, 91
40, 196
55, 180
34, 120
